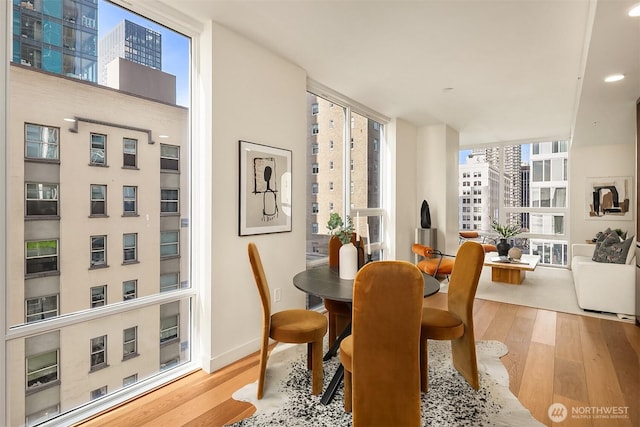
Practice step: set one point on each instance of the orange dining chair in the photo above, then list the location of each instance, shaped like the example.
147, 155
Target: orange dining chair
296, 326
456, 323
433, 261
381, 356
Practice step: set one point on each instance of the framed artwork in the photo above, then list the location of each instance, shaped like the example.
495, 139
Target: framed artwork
609, 198
265, 189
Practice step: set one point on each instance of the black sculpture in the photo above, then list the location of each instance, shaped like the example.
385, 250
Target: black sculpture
425, 215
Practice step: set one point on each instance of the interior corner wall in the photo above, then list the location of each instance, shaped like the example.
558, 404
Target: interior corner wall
598, 161
259, 97
404, 206
437, 158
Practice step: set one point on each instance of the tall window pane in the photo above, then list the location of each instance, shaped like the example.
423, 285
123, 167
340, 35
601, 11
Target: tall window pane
90, 160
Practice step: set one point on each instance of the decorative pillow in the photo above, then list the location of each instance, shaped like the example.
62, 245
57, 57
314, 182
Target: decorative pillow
612, 250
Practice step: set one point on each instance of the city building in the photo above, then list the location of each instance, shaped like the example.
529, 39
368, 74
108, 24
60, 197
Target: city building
104, 207
478, 194
56, 36
132, 42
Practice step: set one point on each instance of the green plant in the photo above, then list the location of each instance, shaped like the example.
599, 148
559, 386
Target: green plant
505, 231
339, 228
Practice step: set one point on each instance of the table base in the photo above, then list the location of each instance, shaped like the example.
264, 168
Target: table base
507, 275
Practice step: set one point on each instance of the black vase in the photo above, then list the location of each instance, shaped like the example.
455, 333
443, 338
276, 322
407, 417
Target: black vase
503, 247
425, 215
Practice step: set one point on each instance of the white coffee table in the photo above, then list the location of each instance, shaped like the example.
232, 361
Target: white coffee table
511, 271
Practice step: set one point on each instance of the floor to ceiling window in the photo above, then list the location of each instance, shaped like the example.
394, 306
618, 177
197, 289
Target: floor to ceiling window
99, 297
520, 184
344, 167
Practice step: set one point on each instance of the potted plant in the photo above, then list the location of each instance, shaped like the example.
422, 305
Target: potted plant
505, 232
347, 253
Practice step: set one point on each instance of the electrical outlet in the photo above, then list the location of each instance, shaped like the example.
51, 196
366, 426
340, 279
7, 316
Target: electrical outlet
276, 294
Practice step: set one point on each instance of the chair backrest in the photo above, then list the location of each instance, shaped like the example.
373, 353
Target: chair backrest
463, 282
261, 281
387, 313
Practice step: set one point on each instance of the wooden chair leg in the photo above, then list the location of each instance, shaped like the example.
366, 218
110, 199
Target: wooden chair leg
264, 355
316, 367
347, 391
424, 364
463, 354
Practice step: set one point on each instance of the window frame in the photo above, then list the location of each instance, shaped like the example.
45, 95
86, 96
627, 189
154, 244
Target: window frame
100, 302
41, 256
166, 159
95, 150
98, 264
93, 365
55, 144
128, 248
95, 202
173, 337
128, 199
55, 200
169, 202
125, 296
132, 342
43, 368
42, 312
175, 243
128, 155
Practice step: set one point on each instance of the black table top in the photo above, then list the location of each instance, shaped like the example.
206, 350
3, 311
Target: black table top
325, 282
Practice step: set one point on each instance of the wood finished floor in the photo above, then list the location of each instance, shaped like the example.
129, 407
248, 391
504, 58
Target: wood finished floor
583, 362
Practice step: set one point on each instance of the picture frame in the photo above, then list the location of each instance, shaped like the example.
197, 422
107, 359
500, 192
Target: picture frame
265, 189
609, 198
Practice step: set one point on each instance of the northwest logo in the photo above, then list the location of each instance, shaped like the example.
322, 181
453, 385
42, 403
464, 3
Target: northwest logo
557, 412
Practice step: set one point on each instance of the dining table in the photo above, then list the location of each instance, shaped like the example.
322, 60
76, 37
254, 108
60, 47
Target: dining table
325, 282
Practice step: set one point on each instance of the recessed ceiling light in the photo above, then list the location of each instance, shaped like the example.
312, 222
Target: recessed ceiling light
68, 119
163, 136
614, 78
635, 10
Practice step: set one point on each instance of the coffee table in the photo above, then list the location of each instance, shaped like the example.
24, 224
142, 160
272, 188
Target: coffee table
512, 272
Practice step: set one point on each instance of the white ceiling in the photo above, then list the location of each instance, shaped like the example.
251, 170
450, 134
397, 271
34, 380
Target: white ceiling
518, 69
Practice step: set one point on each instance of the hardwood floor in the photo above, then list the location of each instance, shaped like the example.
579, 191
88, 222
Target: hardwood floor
590, 365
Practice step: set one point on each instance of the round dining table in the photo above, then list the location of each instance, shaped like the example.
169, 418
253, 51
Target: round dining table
325, 282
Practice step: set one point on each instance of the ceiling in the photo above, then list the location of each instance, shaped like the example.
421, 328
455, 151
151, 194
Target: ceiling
506, 70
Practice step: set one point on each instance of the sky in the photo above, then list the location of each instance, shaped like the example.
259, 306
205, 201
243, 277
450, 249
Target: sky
175, 46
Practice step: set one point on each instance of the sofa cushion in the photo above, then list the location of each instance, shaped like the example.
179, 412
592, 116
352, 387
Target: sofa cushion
612, 250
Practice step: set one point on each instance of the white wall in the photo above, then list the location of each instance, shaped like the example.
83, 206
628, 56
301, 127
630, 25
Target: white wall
256, 96
405, 210
437, 157
599, 161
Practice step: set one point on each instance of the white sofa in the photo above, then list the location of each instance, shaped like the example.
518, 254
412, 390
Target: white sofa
604, 286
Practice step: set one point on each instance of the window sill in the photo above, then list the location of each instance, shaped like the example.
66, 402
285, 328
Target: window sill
130, 356
169, 213
42, 218
135, 261
169, 171
98, 216
166, 257
41, 274
124, 215
135, 168
98, 367
38, 160
97, 267
169, 341
98, 165
39, 388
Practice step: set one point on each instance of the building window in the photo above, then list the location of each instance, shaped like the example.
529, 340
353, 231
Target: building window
41, 199
98, 296
168, 328
314, 208
98, 153
315, 169
314, 228
169, 157
129, 289
42, 256
98, 200
314, 108
98, 251
315, 129
169, 282
41, 308
42, 369
131, 379
331, 165
129, 247
99, 392
98, 352
314, 188
41, 142
129, 200
129, 343
169, 243
130, 153
169, 201
314, 148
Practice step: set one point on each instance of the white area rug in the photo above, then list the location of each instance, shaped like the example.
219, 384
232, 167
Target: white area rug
546, 288
449, 402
